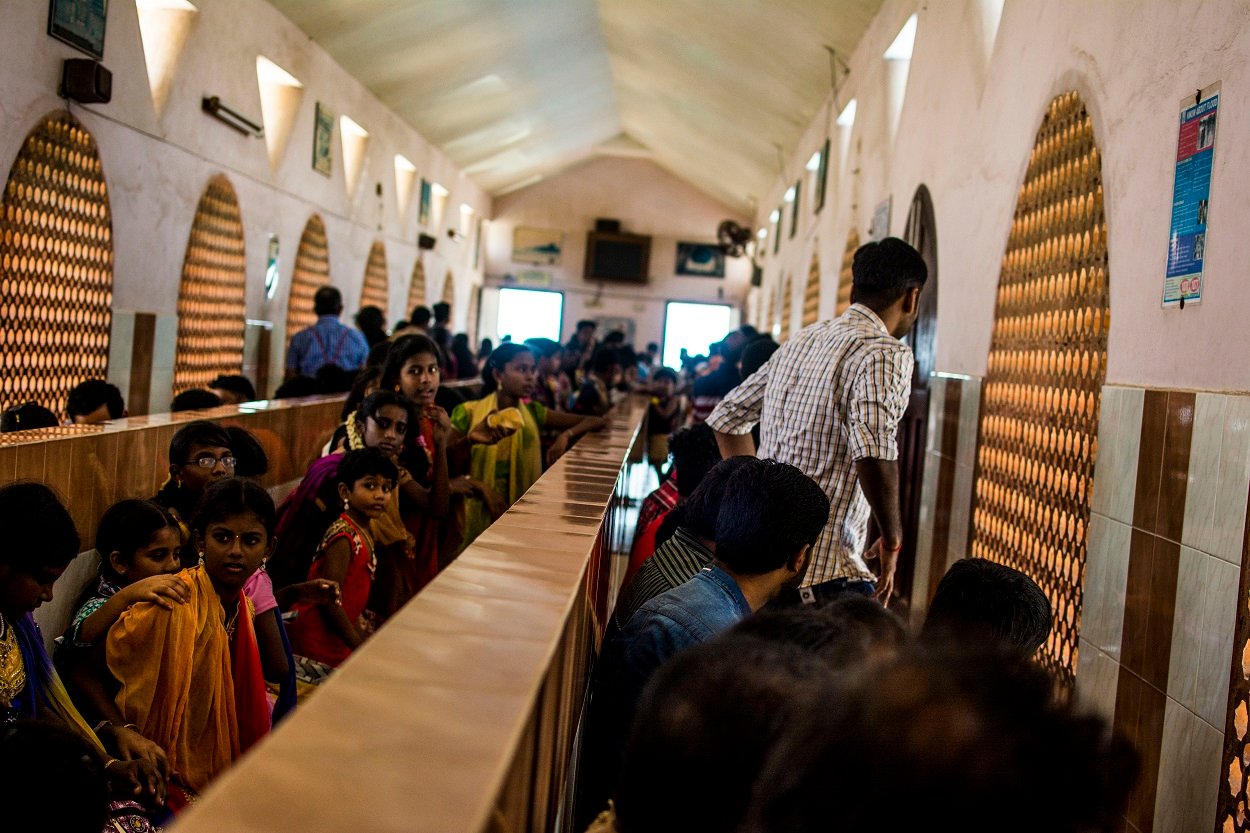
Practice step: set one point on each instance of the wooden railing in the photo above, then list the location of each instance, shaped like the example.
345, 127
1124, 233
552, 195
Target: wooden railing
460, 715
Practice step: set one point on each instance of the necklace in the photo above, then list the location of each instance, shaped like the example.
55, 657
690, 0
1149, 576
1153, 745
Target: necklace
232, 621
12, 669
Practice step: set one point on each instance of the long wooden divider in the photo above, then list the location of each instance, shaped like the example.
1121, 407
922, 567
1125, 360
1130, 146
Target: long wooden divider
460, 715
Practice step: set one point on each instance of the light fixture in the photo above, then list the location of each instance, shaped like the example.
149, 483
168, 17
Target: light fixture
813, 164
901, 49
762, 233
163, 28
270, 73
280, 96
355, 140
775, 215
789, 197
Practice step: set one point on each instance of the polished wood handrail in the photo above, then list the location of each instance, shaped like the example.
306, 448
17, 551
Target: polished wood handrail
459, 715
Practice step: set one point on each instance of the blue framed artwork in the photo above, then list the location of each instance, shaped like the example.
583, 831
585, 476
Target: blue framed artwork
700, 260
423, 207
80, 23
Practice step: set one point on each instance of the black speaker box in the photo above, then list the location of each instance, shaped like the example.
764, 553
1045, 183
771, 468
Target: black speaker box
608, 226
426, 241
88, 81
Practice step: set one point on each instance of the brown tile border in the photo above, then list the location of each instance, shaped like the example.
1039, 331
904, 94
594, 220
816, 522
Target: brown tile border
947, 449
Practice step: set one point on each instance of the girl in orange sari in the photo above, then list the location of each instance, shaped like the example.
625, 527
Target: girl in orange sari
190, 676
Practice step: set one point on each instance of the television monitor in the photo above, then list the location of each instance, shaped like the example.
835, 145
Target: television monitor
617, 257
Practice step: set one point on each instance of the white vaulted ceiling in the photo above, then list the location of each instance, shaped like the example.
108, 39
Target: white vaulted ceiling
715, 91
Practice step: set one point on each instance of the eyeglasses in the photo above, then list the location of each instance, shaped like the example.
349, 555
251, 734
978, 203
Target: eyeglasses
207, 462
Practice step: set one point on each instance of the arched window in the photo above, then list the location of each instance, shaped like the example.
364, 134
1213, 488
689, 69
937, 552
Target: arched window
449, 289
811, 292
56, 266
844, 275
312, 271
374, 292
416, 289
1047, 362
211, 314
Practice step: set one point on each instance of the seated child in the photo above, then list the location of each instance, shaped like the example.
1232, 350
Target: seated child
982, 600
327, 634
190, 674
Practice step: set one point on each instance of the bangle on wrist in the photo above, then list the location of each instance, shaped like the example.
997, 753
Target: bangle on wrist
131, 726
106, 722
109, 763
892, 549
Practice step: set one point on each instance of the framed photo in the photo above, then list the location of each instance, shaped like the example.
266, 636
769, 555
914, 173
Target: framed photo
537, 245
700, 260
423, 208
323, 146
80, 23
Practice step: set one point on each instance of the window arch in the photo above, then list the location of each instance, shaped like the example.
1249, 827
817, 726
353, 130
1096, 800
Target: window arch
1048, 356
312, 271
56, 265
374, 292
211, 314
787, 303
811, 292
845, 276
416, 287
449, 288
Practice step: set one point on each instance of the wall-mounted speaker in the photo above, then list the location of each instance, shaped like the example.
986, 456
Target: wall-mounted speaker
608, 226
87, 81
426, 241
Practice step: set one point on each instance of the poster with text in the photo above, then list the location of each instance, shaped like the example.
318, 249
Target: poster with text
1191, 197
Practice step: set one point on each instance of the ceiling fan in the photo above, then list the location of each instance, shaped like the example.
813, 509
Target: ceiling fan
733, 238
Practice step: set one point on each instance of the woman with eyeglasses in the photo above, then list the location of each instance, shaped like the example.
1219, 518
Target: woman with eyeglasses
199, 454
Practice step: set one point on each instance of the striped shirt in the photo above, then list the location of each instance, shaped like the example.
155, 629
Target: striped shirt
832, 395
675, 562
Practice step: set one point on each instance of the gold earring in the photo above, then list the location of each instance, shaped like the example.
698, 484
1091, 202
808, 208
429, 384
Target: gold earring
201, 558
345, 506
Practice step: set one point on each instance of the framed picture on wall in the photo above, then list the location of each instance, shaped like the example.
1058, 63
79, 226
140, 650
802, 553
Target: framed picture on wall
423, 207
537, 245
323, 135
80, 23
700, 260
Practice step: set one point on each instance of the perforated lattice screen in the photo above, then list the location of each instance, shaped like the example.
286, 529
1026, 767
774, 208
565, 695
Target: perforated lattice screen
416, 289
211, 311
844, 276
449, 288
811, 292
56, 266
1234, 791
1048, 354
374, 292
312, 271
787, 303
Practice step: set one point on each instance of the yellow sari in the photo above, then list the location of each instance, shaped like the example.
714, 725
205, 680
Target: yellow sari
521, 453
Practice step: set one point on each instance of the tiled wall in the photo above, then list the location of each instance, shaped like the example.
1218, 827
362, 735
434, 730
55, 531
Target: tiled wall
1163, 585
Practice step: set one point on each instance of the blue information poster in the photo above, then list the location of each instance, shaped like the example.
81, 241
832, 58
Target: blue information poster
1191, 196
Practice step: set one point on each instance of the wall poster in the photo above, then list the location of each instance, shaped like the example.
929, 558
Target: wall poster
1191, 195
80, 23
323, 134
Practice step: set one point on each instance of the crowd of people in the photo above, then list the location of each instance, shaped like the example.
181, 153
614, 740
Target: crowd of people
751, 668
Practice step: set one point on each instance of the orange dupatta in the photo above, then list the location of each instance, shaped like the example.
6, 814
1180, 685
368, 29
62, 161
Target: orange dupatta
184, 687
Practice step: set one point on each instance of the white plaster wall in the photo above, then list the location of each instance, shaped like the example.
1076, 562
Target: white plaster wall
157, 166
647, 200
966, 128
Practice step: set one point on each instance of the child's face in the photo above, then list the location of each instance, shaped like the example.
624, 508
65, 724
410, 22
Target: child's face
518, 376
368, 495
665, 388
234, 548
159, 557
418, 379
386, 429
22, 591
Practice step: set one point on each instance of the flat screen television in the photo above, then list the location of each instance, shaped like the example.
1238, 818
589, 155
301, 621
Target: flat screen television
617, 257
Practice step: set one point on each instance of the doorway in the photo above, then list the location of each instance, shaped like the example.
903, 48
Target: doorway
693, 327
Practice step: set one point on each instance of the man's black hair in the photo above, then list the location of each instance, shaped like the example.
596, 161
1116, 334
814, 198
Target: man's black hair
232, 496
884, 270
298, 387
87, 396
26, 417
703, 504
750, 332
844, 632
978, 598
544, 347
604, 359
249, 455
421, 316
756, 354
586, 322
769, 512
334, 379
195, 399
364, 462
235, 384
442, 312
652, 347
694, 453
327, 301
200, 432
665, 373
614, 337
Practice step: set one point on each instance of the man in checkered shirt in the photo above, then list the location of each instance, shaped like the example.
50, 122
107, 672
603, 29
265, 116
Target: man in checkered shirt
829, 403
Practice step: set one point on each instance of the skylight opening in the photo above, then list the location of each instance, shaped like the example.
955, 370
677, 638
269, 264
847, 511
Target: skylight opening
904, 42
